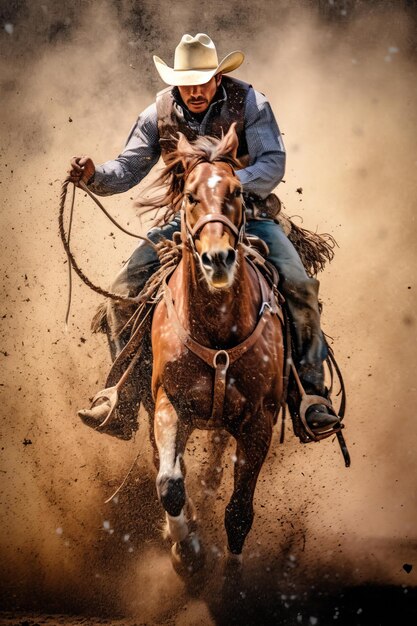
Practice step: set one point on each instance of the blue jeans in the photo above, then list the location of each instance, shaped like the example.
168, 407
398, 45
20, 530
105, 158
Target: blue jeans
300, 291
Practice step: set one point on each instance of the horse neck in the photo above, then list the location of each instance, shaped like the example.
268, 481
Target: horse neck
224, 317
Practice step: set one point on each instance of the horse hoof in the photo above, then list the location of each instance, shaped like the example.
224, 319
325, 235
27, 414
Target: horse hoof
188, 556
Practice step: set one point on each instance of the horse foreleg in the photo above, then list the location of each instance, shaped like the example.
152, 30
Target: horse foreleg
253, 442
217, 441
171, 437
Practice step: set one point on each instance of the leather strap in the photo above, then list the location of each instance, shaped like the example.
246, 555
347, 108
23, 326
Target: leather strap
220, 360
213, 217
221, 364
208, 354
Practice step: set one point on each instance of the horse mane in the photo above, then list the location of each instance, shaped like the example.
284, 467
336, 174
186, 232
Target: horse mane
178, 164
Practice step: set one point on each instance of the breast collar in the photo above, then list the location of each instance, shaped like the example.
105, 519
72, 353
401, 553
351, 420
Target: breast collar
220, 360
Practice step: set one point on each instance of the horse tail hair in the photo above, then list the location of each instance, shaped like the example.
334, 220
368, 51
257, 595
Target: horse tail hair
99, 321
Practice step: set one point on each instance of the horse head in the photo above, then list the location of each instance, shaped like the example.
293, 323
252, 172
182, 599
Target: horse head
212, 207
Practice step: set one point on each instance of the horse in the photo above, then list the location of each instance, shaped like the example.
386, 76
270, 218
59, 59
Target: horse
217, 346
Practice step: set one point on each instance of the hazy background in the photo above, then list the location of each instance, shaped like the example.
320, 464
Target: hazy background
343, 86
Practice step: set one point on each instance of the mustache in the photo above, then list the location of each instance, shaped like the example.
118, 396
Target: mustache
196, 100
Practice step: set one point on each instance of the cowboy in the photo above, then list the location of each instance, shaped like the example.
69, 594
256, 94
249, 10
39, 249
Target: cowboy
201, 100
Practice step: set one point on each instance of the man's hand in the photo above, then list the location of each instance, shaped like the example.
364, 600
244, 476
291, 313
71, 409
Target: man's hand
82, 168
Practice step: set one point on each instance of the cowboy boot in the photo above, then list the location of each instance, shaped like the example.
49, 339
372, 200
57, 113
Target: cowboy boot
124, 406
319, 417
310, 351
124, 423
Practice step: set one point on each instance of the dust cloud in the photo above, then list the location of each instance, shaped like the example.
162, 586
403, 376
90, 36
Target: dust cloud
74, 77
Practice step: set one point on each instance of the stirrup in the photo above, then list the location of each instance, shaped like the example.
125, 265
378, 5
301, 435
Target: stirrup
111, 394
113, 424
308, 401
307, 434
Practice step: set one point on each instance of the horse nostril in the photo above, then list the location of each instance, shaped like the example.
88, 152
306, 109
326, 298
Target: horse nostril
231, 257
218, 259
206, 260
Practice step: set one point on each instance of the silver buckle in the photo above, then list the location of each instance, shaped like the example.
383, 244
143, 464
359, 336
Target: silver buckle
265, 305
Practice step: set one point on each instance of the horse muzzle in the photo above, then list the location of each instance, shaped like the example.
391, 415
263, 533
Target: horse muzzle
218, 267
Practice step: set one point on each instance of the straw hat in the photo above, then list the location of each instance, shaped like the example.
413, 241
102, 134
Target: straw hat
196, 61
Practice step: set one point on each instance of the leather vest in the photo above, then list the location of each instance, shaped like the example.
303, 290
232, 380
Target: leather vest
222, 114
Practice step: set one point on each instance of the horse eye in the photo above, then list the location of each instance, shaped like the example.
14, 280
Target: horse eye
237, 193
191, 198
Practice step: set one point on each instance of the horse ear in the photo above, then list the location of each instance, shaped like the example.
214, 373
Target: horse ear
183, 149
231, 142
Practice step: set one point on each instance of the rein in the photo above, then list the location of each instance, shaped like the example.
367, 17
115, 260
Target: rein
72, 264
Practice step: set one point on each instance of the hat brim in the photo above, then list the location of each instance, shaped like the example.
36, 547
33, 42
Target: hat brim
182, 78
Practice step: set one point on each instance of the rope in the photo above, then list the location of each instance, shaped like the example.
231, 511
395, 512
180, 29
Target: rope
122, 484
71, 260
107, 214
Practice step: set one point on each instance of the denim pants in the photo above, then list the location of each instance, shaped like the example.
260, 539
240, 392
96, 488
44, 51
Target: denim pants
300, 292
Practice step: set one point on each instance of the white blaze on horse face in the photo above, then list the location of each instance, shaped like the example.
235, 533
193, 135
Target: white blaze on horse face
213, 181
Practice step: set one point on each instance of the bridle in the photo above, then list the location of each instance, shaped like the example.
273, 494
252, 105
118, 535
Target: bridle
188, 232
220, 360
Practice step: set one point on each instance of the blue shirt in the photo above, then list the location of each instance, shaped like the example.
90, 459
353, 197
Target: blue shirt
142, 150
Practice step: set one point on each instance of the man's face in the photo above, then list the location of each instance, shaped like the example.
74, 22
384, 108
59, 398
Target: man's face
197, 98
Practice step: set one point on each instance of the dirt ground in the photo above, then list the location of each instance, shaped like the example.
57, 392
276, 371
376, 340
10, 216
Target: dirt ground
328, 545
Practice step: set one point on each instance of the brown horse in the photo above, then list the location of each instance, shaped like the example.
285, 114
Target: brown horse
217, 345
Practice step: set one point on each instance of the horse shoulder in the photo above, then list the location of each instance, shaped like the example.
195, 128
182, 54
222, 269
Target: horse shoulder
166, 346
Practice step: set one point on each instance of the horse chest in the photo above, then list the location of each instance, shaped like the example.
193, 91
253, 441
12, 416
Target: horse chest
189, 383
251, 380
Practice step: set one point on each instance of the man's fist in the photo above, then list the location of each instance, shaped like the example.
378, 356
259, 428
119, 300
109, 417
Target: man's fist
82, 168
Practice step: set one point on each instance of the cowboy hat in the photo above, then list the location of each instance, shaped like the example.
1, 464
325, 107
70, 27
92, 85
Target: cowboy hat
196, 61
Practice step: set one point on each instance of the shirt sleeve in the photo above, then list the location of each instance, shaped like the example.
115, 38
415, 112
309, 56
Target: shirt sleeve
265, 145
140, 154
